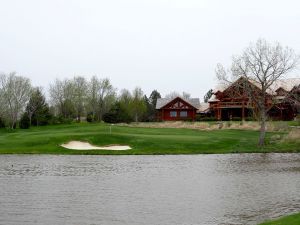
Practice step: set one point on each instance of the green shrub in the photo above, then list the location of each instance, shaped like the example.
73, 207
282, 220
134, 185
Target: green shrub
110, 118
2, 124
201, 118
90, 117
60, 120
25, 121
236, 119
250, 119
187, 119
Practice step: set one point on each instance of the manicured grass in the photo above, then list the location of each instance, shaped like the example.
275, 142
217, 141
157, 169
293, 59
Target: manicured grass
47, 140
288, 220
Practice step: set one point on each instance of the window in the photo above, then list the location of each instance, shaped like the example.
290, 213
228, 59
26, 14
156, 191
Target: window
173, 114
183, 114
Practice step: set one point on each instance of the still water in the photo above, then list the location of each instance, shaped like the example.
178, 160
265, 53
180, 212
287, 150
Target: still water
152, 190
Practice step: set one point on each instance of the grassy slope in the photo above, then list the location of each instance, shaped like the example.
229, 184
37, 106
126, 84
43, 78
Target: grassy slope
288, 220
143, 140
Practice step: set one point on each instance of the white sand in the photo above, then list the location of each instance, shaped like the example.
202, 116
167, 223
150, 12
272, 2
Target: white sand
79, 145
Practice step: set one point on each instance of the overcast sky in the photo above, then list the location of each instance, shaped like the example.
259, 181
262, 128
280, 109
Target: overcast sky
168, 45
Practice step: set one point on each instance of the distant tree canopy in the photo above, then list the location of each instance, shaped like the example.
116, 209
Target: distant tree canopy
175, 94
77, 97
129, 107
72, 99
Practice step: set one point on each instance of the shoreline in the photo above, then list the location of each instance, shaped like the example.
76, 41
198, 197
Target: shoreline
293, 219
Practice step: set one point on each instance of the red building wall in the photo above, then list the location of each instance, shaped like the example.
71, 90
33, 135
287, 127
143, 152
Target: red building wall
166, 116
177, 105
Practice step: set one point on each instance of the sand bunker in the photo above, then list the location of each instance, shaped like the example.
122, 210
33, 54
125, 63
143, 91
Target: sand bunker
79, 145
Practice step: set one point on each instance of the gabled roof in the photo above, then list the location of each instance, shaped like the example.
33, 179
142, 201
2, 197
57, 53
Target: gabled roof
204, 107
213, 98
161, 102
286, 84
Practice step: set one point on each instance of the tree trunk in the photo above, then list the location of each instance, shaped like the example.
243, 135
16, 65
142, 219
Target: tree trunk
30, 116
262, 134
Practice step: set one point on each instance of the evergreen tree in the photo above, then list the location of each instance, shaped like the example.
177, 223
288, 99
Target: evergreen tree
146, 116
208, 95
25, 121
37, 109
153, 97
117, 114
152, 105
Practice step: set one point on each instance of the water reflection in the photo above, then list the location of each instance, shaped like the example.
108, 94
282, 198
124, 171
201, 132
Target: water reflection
191, 189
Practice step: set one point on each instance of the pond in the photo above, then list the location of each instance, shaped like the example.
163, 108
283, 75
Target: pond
152, 190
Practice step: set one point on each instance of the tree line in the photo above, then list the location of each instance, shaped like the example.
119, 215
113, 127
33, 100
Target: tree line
72, 99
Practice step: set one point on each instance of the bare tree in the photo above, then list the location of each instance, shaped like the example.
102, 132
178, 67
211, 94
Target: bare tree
175, 94
61, 97
107, 95
15, 92
101, 96
138, 105
261, 64
92, 97
79, 92
57, 95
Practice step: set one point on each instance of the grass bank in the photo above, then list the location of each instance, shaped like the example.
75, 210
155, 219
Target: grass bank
47, 140
288, 220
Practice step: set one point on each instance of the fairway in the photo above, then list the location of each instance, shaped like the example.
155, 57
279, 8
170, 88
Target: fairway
47, 140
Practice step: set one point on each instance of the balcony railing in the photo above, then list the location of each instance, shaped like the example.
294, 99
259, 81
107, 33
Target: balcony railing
233, 105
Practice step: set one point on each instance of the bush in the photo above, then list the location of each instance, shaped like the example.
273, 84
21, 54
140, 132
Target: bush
117, 114
90, 118
42, 119
59, 120
110, 118
187, 119
25, 121
2, 124
205, 119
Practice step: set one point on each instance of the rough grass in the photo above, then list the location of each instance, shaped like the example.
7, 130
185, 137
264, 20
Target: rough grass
294, 135
213, 125
47, 140
288, 220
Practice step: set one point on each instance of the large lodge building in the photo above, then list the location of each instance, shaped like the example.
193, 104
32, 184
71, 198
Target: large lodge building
234, 102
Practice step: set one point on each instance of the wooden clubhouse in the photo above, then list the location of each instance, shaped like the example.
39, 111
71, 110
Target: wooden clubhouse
177, 109
233, 101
